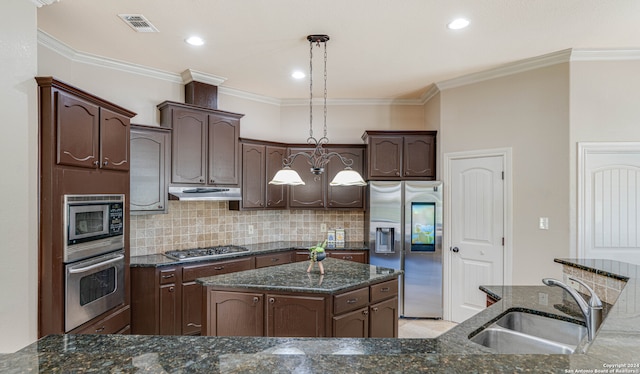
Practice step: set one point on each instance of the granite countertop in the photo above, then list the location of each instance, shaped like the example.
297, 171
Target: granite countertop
159, 260
340, 275
614, 350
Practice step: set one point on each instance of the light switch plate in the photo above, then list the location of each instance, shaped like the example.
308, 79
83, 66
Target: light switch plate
543, 223
250, 229
323, 227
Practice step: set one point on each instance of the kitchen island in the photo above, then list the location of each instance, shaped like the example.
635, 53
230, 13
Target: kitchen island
614, 349
349, 300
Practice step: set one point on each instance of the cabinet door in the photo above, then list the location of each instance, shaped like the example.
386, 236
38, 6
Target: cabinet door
383, 322
191, 308
168, 318
223, 150
189, 146
276, 194
295, 316
385, 157
149, 165
352, 325
351, 197
235, 314
114, 140
77, 126
311, 194
253, 176
419, 157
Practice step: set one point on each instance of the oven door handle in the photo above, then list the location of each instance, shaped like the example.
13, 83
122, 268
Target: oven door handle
99, 264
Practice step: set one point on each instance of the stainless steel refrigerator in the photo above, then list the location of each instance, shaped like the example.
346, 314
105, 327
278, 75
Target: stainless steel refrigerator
405, 232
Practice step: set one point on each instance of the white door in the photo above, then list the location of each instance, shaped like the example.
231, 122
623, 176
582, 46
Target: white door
609, 225
477, 232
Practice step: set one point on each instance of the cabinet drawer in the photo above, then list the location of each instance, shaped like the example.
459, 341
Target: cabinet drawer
350, 300
384, 290
167, 276
273, 259
192, 272
355, 256
115, 322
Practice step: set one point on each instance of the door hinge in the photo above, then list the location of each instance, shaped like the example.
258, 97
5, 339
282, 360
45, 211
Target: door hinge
503, 175
503, 241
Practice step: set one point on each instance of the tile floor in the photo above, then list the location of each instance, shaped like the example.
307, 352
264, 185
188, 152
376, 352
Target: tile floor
422, 328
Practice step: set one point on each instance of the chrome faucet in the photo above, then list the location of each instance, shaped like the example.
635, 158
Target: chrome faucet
592, 311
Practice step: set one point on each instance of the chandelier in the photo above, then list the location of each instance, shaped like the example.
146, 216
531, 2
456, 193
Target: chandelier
319, 157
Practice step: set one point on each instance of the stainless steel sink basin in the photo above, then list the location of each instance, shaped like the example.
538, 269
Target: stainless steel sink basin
520, 332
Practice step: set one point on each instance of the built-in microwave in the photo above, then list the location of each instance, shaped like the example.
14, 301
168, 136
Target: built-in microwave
93, 225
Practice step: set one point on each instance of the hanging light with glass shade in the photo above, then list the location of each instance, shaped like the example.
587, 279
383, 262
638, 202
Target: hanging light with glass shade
319, 157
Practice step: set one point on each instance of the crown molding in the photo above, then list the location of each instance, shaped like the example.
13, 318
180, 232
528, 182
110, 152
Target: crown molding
249, 96
40, 3
190, 75
351, 102
429, 93
605, 54
508, 69
55, 45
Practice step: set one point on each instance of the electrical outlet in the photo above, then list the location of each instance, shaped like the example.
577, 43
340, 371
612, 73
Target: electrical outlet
250, 229
323, 227
543, 298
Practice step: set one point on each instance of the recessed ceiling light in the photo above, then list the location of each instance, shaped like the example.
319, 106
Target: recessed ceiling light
298, 74
195, 40
457, 24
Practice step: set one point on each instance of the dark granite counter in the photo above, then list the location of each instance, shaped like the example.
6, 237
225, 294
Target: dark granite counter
159, 260
614, 350
340, 275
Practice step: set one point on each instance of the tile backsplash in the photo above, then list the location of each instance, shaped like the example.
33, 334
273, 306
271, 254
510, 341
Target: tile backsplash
193, 224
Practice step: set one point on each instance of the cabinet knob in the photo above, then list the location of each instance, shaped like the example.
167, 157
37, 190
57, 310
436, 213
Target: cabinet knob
256, 299
159, 206
406, 173
96, 163
201, 180
365, 312
171, 289
375, 309
105, 163
397, 173
211, 181
272, 300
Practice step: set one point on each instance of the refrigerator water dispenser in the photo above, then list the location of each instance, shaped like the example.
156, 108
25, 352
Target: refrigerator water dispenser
384, 240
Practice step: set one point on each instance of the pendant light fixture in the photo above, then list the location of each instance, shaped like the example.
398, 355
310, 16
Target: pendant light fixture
319, 157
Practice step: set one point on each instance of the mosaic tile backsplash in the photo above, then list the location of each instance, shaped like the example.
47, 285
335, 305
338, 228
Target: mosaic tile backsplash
608, 289
194, 224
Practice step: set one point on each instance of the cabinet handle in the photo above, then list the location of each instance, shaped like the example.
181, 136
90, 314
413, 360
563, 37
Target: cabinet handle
191, 324
218, 268
365, 312
256, 299
273, 259
168, 276
384, 289
171, 289
347, 257
272, 300
375, 309
100, 329
352, 301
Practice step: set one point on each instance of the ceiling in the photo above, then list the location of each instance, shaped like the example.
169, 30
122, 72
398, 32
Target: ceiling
379, 49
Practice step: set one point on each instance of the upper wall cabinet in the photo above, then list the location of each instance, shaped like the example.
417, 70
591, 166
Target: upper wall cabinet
90, 133
205, 148
150, 159
260, 162
396, 155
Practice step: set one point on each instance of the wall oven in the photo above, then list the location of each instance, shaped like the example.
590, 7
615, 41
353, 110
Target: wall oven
93, 255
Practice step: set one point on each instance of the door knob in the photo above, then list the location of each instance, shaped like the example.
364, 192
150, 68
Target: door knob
455, 249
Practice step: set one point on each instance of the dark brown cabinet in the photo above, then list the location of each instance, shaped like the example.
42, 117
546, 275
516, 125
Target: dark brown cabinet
295, 316
205, 148
260, 162
89, 135
273, 259
150, 160
235, 314
116, 322
383, 319
316, 193
168, 301
395, 155
355, 256
352, 325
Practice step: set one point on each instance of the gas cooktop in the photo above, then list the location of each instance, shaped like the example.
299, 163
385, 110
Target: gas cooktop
204, 253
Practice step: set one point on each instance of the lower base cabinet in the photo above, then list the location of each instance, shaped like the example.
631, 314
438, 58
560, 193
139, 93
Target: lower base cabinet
116, 322
370, 311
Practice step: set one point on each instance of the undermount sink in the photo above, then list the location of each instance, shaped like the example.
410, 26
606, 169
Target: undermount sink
520, 332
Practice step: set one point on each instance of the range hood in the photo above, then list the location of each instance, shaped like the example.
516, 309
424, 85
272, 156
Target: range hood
204, 193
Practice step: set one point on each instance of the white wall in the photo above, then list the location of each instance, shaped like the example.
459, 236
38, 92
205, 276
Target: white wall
18, 184
528, 112
605, 97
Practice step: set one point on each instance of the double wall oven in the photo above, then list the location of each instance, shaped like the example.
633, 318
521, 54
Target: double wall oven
93, 256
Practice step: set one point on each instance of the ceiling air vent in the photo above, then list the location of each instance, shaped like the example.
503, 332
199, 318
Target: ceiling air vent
138, 22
